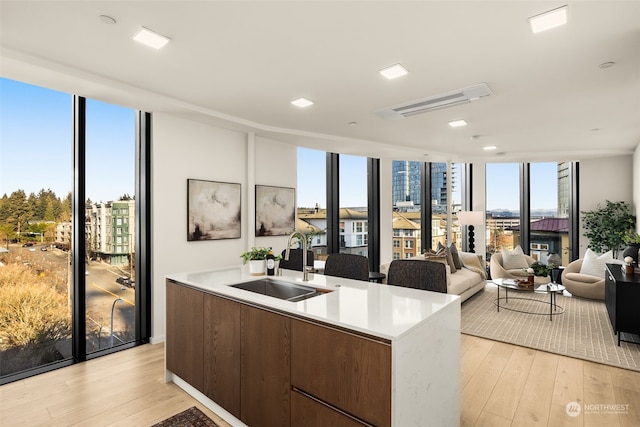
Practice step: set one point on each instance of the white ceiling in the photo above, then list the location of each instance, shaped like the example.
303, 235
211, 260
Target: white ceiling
238, 64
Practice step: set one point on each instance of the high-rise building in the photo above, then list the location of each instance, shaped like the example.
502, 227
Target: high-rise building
406, 185
564, 189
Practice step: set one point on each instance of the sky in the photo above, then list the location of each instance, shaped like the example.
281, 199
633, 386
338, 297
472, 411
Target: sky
36, 149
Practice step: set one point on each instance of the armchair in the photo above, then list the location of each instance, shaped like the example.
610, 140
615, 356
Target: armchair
580, 284
498, 271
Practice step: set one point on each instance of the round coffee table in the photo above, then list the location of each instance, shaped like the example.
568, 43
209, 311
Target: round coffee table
552, 289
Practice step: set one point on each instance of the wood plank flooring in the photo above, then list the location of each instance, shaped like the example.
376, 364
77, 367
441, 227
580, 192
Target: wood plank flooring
501, 385
507, 385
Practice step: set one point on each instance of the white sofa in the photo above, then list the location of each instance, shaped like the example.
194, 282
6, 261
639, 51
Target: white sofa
468, 280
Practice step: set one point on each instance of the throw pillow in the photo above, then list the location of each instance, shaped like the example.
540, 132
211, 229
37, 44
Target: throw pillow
513, 260
443, 250
456, 256
435, 258
594, 264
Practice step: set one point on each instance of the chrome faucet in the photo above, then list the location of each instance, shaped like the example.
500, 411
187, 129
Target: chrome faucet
303, 240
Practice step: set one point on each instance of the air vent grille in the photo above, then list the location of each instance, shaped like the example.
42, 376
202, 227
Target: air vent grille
435, 102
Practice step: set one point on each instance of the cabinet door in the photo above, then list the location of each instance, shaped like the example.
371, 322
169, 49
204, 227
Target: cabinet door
222, 352
347, 371
265, 368
184, 346
610, 298
307, 412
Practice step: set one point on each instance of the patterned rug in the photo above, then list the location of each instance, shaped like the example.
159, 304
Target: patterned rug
583, 331
192, 417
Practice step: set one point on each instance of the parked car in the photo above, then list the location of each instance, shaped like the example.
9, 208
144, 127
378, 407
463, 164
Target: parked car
27, 245
124, 280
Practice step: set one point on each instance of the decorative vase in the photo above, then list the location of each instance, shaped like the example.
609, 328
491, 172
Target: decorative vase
628, 269
632, 251
257, 267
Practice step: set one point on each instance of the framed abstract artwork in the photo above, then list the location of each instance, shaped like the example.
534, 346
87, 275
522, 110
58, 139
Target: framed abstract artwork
213, 210
275, 210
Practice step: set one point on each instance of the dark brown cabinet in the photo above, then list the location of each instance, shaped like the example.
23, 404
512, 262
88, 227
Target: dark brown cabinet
185, 349
265, 366
622, 295
309, 412
221, 368
271, 369
349, 372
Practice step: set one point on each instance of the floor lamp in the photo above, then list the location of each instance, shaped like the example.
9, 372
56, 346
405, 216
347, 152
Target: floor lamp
471, 219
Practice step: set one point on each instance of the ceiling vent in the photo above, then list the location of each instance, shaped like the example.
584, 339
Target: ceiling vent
443, 100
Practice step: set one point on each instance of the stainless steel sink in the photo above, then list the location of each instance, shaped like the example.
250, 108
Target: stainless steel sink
279, 289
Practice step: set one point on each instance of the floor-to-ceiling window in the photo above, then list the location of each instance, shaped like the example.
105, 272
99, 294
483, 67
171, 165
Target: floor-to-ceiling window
55, 274
502, 206
110, 225
530, 205
35, 214
406, 200
311, 198
354, 224
446, 186
549, 211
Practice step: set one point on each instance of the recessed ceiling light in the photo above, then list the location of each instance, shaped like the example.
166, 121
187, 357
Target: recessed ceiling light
457, 123
353, 123
548, 20
105, 19
302, 102
150, 38
394, 71
607, 64
489, 147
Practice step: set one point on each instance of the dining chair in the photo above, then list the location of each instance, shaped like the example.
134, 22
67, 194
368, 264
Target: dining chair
418, 274
295, 260
349, 266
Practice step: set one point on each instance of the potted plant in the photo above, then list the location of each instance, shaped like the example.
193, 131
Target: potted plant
542, 270
256, 257
606, 227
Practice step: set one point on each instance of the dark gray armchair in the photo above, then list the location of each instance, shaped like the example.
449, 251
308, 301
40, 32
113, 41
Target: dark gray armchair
349, 266
295, 260
418, 274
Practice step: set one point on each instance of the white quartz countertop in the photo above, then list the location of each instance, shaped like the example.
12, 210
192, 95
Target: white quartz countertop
383, 311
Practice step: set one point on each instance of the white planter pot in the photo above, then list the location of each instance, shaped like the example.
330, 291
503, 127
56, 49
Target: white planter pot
257, 267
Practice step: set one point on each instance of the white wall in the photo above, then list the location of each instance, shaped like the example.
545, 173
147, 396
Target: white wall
185, 149
609, 178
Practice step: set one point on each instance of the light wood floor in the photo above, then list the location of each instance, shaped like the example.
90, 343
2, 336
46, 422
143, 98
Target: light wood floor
507, 385
502, 385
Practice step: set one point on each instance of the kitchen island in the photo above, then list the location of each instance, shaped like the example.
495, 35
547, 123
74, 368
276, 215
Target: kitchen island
354, 354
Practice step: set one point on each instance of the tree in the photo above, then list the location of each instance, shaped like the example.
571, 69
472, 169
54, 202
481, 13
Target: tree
65, 209
7, 233
19, 210
606, 227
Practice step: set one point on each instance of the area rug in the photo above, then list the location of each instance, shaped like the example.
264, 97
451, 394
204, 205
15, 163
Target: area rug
582, 331
192, 417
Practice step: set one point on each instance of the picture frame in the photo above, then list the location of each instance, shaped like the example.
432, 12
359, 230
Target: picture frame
213, 210
275, 210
